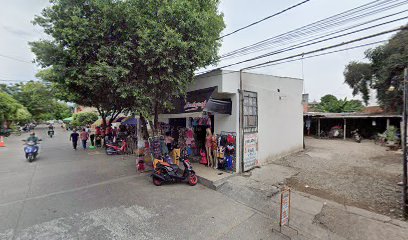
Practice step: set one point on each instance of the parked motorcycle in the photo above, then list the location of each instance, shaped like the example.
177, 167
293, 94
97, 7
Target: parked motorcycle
356, 135
31, 150
112, 149
165, 172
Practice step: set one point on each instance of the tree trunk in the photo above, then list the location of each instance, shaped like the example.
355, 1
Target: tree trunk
143, 122
104, 121
156, 117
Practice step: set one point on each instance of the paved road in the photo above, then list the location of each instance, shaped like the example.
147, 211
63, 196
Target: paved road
69, 194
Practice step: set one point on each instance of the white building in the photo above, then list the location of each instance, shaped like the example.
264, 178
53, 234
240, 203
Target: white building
272, 125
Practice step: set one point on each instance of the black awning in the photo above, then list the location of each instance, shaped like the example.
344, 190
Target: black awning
219, 106
199, 101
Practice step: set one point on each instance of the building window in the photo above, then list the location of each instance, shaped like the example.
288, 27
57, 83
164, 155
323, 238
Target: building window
250, 112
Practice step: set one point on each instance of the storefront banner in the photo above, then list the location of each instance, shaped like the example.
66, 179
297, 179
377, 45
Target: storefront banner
250, 150
195, 101
201, 101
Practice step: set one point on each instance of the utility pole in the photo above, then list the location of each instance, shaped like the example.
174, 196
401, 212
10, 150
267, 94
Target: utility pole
405, 160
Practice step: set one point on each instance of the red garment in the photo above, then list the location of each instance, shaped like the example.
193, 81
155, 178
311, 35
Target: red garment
98, 131
84, 135
208, 141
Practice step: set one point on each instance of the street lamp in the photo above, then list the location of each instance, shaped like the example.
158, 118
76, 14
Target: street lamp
404, 139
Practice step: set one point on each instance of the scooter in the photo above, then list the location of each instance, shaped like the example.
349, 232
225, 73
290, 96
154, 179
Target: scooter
356, 135
112, 149
165, 172
50, 133
31, 150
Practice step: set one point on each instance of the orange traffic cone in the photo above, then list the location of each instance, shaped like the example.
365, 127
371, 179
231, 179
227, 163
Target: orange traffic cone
2, 141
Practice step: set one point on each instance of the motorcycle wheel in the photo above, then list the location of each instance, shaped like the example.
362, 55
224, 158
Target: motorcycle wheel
109, 151
192, 179
157, 181
30, 158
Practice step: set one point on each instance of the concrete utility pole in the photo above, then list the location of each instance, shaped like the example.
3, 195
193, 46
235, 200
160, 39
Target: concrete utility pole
404, 178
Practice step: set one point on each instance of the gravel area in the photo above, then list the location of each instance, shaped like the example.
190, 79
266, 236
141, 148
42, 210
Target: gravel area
364, 175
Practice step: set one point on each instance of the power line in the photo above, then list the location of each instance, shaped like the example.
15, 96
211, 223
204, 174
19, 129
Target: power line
14, 58
296, 47
319, 41
294, 60
264, 19
330, 33
329, 47
321, 25
322, 54
8, 80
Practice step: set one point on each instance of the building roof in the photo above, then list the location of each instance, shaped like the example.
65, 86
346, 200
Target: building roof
352, 115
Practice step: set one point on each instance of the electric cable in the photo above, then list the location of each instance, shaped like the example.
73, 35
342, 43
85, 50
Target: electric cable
329, 47
264, 19
322, 54
333, 32
320, 25
14, 58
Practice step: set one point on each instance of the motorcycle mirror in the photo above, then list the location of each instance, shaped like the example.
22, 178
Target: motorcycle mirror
24, 140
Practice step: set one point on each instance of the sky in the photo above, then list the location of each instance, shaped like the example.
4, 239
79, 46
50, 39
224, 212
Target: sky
322, 75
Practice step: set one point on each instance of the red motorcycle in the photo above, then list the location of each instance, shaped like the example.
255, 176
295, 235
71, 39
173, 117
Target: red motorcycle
165, 172
112, 149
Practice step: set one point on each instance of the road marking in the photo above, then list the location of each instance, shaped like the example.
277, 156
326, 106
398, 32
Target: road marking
73, 189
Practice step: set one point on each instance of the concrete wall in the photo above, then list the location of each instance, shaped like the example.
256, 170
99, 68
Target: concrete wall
280, 114
227, 83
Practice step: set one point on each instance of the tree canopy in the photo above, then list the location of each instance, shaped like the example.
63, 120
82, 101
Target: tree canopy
12, 110
330, 103
83, 119
385, 68
133, 55
39, 99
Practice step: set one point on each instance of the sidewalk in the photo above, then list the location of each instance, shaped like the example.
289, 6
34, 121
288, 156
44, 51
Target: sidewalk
310, 217
210, 177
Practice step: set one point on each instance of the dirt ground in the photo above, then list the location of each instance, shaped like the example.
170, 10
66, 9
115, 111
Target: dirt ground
363, 174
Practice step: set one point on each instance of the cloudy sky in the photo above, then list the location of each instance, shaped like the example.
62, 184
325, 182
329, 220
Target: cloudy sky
322, 75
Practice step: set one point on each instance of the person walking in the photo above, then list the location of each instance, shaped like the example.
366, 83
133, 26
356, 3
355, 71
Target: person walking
84, 137
74, 138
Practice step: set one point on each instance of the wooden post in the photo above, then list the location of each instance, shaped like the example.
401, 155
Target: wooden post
318, 127
344, 129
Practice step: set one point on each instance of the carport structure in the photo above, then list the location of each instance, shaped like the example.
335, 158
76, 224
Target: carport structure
369, 124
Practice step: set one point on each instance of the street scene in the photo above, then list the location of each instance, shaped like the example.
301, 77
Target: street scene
204, 119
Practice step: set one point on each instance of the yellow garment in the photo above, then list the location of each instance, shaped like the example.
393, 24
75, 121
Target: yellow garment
175, 155
156, 161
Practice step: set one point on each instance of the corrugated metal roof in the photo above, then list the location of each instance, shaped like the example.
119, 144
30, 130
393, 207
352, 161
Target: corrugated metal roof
352, 115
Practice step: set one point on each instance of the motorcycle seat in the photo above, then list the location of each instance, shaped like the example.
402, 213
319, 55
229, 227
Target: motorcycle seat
175, 167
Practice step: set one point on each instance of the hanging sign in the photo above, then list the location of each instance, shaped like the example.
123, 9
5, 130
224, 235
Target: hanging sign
250, 150
285, 207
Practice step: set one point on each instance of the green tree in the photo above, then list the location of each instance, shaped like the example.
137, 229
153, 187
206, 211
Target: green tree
330, 103
83, 119
134, 55
385, 68
11, 110
37, 98
61, 111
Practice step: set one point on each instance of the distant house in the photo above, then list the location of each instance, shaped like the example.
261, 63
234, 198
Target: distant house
80, 109
370, 121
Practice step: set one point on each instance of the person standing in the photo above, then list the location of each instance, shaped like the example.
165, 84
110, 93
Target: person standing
74, 138
84, 137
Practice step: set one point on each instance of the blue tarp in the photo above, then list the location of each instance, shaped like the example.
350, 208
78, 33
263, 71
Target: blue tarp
130, 121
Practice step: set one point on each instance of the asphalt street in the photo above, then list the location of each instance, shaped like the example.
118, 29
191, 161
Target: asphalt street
84, 194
